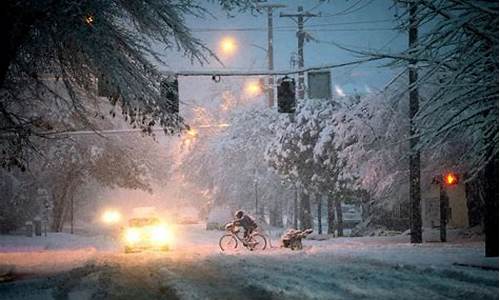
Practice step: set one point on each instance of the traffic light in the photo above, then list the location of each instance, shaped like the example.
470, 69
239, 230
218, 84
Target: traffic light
286, 95
169, 90
450, 178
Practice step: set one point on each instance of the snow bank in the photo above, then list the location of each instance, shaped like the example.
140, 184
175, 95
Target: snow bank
54, 241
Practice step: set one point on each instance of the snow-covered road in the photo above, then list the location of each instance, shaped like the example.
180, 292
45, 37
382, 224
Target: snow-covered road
346, 268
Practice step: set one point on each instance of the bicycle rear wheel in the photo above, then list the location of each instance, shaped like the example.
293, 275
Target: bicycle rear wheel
257, 242
228, 242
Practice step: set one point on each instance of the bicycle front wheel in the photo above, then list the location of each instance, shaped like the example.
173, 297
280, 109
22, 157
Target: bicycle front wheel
258, 242
228, 242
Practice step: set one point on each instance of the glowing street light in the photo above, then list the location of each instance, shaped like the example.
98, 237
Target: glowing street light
451, 179
89, 19
111, 217
192, 132
228, 45
253, 88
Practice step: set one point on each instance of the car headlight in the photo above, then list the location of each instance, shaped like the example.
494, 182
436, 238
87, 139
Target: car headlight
132, 235
160, 235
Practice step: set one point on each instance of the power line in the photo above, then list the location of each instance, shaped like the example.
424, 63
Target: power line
317, 5
292, 28
351, 9
351, 29
266, 72
346, 46
352, 22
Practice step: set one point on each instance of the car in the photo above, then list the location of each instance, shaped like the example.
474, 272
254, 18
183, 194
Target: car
146, 233
187, 220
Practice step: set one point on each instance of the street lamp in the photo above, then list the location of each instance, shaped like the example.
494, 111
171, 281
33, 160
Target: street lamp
253, 88
445, 181
89, 19
192, 132
111, 217
228, 45
451, 179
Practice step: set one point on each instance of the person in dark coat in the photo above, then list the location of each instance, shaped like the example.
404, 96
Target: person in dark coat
245, 221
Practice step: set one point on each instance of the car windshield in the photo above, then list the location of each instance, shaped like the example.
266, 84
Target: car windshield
141, 222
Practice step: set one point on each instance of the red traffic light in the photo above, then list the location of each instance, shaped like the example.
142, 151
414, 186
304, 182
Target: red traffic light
450, 179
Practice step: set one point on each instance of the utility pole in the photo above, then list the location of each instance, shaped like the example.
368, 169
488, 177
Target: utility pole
270, 49
415, 211
300, 44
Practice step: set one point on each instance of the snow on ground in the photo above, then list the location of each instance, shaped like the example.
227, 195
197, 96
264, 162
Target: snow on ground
340, 268
54, 241
47, 255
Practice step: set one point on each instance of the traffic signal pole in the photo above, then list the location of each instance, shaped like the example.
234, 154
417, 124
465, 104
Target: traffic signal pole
270, 49
270, 56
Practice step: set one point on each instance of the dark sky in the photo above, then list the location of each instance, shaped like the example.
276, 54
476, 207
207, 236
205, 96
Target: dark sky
357, 24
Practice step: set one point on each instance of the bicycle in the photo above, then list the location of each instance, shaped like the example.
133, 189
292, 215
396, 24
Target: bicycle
229, 241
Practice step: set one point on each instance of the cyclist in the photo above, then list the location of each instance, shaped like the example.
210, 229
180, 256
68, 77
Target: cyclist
245, 221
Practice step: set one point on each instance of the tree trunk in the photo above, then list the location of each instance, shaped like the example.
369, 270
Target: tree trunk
365, 208
340, 224
474, 202
275, 215
288, 211
491, 208
320, 227
272, 216
305, 211
331, 215
295, 208
279, 213
414, 159
262, 214
61, 200
58, 210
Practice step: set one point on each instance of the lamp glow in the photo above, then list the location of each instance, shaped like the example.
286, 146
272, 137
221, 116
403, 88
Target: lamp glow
228, 45
132, 235
111, 217
253, 88
160, 235
451, 179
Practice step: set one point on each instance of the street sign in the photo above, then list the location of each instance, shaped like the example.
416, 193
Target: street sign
319, 85
286, 95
